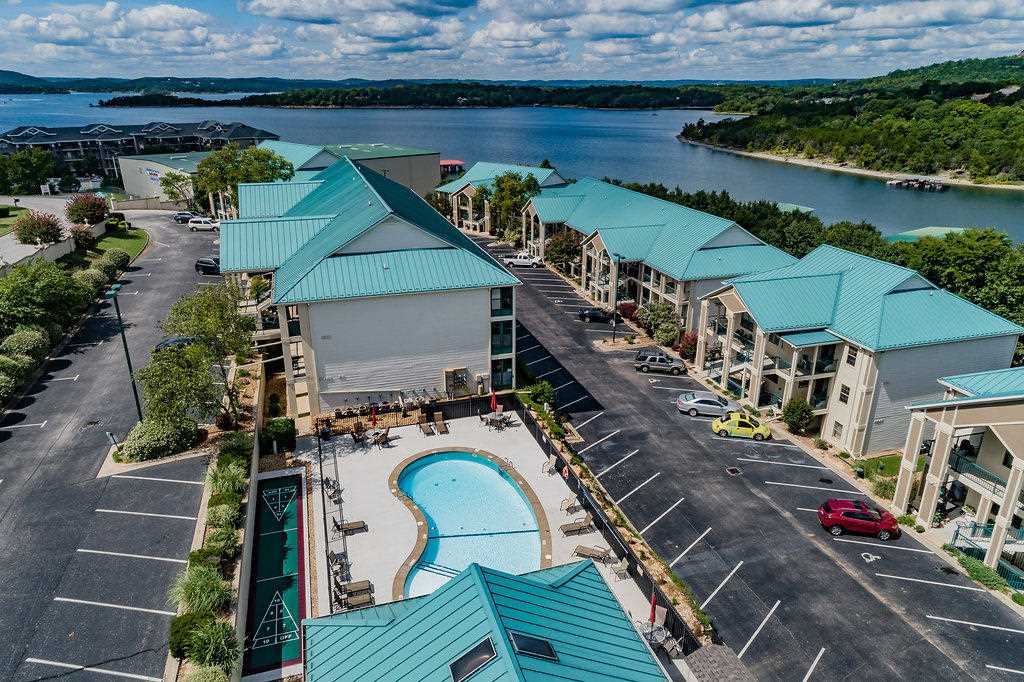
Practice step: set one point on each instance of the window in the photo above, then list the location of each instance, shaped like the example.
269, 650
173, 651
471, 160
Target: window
851, 356
844, 393
501, 337
471, 661
532, 646
501, 374
1007, 459
501, 302
837, 430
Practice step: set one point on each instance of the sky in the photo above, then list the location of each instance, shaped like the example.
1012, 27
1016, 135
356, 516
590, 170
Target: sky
503, 39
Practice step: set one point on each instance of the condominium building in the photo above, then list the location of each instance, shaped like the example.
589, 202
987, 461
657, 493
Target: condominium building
642, 249
75, 147
858, 338
973, 436
374, 296
483, 175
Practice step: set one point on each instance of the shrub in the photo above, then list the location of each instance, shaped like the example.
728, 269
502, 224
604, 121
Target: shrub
200, 589
627, 310
224, 541
30, 341
666, 334
8, 385
91, 280
214, 644
978, 571
181, 629
919, 528
152, 438
688, 345
108, 269
884, 487
542, 392
906, 520
797, 415
209, 556
207, 673
843, 455
88, 209
85, 240
820, 443
281, 430
258, 285
228, 479
233, 499
36, 227
17, 367
630, 338
222, 516
39, 292
1018, 598
119, 257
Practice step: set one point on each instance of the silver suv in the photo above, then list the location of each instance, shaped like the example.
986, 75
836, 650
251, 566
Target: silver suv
705, 402
658, 361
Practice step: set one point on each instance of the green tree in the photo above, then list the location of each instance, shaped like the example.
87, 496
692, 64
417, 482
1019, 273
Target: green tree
563, 249
857, 237
212, 316
28, 169
797, 415
178, 381
222, 170
511, 194
39, 293
180, 188
36, 227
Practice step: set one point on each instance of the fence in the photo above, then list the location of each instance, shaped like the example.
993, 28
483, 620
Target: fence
674, 623
963, 539
153, 203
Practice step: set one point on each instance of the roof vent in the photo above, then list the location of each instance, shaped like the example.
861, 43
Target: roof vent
471, 661
386, 266
532, 646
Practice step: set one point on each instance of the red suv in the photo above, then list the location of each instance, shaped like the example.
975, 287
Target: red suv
839, 516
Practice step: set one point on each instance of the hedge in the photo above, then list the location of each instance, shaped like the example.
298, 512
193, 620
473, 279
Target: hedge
30, 341
118, 257
17, 367
108, 269
153, 438
207, 673
182, 627
7, 387
233, 499
281, 431
91, 279
214, 644
222, 516
200, 589
228, 479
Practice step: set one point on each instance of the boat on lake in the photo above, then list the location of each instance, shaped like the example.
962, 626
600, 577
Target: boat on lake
920, 184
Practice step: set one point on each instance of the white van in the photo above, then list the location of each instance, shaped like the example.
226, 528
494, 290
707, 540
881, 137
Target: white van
203, 224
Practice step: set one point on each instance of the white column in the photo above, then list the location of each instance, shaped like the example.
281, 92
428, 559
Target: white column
756, 367
487, 217
1005, 515
543, 238
908, 465
936, 473
702, 335
730, 329
984, 509
286, 357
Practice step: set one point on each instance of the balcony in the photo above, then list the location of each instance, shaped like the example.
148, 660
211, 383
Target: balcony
972, 472
781, 362
804, 365
825, 365
819, 401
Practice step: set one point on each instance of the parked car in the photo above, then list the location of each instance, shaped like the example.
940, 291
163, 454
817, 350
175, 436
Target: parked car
854, 516
650, 352
195, 224
174, 342
705, 402
208, 265
654, 362
523, 260
182, 217
741, 425
596, 314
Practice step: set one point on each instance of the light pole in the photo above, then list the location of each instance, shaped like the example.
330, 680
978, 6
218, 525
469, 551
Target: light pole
615, 291
112, 295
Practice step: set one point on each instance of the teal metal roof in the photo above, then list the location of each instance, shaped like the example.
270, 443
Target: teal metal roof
262, 244
483, 172
877, 305
375, 150
271, 199
185, 162
994, 383
914, 235
728, 261
297, 154
418, 639
816, 338
553, 208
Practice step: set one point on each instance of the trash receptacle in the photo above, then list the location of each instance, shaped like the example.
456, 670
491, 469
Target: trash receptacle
859, 471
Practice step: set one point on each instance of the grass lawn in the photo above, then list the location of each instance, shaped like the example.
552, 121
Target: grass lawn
885, 466
5, 223
133, 241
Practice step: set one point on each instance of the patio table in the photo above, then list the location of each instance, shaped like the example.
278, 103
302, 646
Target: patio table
655, 634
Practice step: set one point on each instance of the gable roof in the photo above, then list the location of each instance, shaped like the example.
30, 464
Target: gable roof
993, 383
571, 607
484, 172
262, 244
271, 199
875, 304
300, 154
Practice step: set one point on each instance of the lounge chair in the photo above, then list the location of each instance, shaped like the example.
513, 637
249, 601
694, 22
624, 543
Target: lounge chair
358, 600
577, 526
383, 438
621, 568
549, 466
595, 553
355, 587
570, 505
439, 424
353, 527
425, 426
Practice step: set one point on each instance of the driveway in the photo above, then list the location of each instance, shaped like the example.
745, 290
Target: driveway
84, 562
736, 521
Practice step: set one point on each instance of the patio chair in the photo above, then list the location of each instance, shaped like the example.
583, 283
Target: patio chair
383, 438
549, 466
577, 526
350, 527
501, 409
439, 423
337, 560
425, 425
595, 553
672, 648
358, 600
621, 568
570, 505
355, 587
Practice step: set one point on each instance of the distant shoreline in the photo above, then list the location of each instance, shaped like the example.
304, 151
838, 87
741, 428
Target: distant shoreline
438, 107
853, 170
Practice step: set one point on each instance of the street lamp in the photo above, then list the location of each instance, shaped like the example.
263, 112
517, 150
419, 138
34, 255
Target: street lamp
112, 295
615, 291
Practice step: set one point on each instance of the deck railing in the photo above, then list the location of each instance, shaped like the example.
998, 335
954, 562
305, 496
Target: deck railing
978, 474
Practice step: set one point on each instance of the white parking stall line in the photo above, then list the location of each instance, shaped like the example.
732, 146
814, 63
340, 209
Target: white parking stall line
87, 343
598, 442
131, 513
663, 515
813, 510
816, 487
580, 426
1004, 670
930, 582
573, 305
879, 544
758, 630
669, 388
974, 625
523, 350
24, 426
721, 585
616, 464
561, 288
74, 378
782, 464
114, 606
534, 362
568, 383
578, 400
600, 331
627, 495
133, 556
814, 665
91, 669
541, 376
689, 547
153, 478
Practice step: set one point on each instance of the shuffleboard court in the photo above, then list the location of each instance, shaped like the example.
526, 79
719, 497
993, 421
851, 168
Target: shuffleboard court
277, 596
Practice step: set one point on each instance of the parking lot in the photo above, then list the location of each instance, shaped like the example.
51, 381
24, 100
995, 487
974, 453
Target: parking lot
736, 520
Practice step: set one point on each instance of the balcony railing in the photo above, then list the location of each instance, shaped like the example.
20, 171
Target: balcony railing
803, 365
824, 365
781, 361
501, 344
979, 475
819, 402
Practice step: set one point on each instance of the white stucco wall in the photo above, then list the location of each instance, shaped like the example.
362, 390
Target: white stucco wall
142, 178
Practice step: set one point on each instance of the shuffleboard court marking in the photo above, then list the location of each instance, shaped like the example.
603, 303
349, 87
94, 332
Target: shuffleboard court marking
277, 626
277, 502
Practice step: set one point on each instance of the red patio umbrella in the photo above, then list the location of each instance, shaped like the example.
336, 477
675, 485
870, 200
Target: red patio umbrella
494, 401
654, 604
373, 416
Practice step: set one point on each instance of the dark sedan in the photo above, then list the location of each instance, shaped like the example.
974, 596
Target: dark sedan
208, 265
596, 315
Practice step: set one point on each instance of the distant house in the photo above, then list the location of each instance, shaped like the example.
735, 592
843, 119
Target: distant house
560, 623
858, 338
483, 174
377, 297
75, 146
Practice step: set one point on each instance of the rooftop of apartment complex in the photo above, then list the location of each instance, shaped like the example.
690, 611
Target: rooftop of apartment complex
483, 173
185, 162
213, 131
556, 623
877, 305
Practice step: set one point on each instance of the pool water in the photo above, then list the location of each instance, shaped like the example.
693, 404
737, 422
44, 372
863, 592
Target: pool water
475, 513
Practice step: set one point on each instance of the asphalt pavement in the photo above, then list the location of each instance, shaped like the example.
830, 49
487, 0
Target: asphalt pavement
736, 520
85, 563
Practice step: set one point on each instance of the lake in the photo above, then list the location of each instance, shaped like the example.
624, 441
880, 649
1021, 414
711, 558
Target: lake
631, 145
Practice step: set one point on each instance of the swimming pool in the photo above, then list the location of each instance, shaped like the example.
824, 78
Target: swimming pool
475, 512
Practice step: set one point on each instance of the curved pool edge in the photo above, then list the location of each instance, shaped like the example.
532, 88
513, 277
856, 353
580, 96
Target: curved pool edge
398, 584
